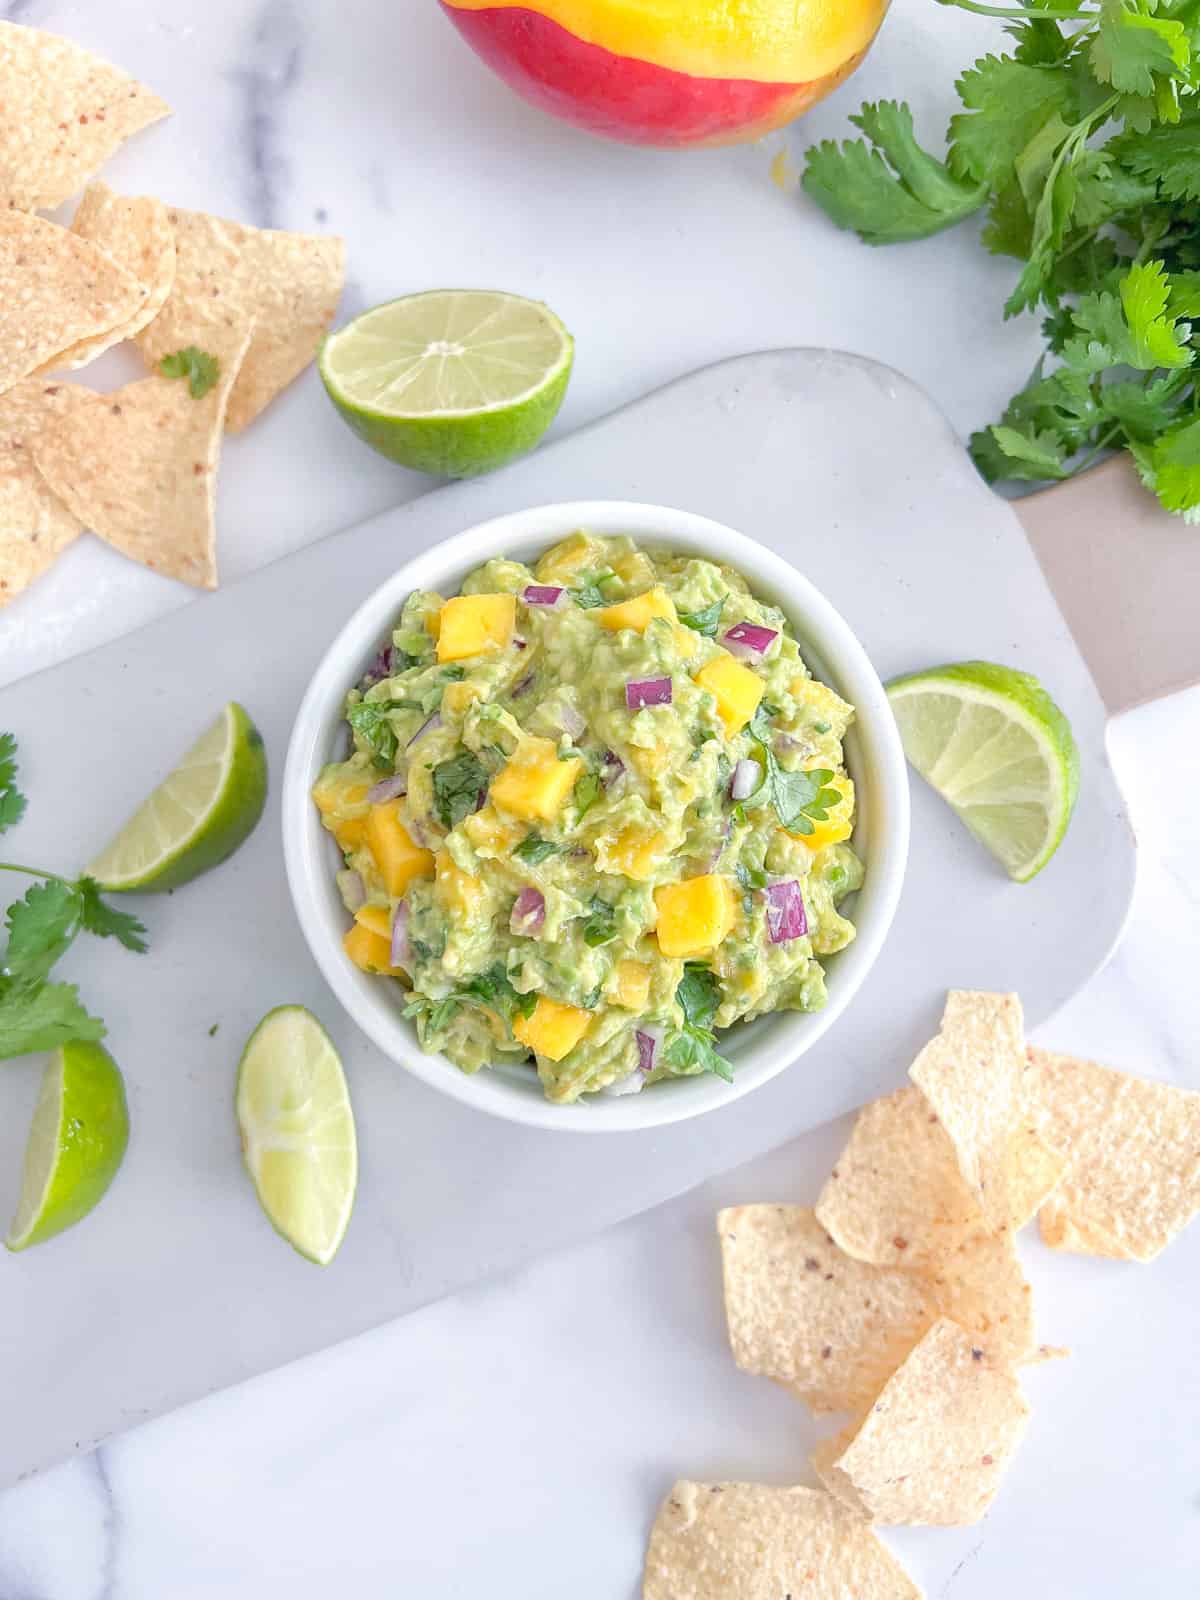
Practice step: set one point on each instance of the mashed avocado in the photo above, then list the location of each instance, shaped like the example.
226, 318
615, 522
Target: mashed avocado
596, 811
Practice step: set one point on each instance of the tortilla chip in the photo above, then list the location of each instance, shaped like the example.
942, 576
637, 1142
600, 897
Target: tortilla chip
745, 1541
136, 233
139, 467
228, 274
35, 526
55, 289
971, 1076
65, 112
936, 1441
1133, 1151
799, 1310
896, 1196
1035, 1170
982, 1288
824, 1459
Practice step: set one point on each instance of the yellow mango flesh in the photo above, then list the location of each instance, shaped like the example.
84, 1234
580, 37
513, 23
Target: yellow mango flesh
492, 834
455, 889
635, 853
458, 697
377, 918
351, 832
630, 985
534, 783
736, 689
473, 623
552, 1029
694, 916
399, 860
840, 824
370, 950
639, 612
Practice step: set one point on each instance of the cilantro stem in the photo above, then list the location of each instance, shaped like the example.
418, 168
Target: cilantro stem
37, 872
1050, 13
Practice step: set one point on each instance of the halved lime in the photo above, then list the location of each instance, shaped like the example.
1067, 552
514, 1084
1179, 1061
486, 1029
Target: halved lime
297, 1127
995, 746
76, 1142
455, 382
195, 818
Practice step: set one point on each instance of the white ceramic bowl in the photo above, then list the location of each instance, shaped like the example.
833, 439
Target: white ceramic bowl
758, 1050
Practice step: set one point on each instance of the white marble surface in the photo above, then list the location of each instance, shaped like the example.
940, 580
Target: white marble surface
515, 1440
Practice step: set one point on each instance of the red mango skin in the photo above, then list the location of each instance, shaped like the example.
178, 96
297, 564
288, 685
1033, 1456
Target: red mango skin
622, 98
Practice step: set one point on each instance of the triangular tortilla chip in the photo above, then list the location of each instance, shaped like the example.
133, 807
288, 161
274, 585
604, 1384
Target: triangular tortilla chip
799, 1310
65, 111
746, 1541
1133, 1151
139, 467
982, 1287
55, 289
136, 232
228, 274
35, 525
971, 1076
935, 1442
896, 1196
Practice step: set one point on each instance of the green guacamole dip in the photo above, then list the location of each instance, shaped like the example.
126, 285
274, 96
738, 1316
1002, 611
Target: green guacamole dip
596, 811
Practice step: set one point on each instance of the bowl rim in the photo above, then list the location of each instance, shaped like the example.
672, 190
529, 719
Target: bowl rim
829, 646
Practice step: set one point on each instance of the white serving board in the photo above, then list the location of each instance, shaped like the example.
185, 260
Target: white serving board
176, 1285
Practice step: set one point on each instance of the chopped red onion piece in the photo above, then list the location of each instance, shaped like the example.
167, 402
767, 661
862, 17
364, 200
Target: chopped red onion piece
786, 917
747, 776
569, 720
389, 789
401, 949
649, 1041
543, 594
353, 892
648, 692
380, 668
614, 768
428, 726
749, 641
518, 641
528, 913
632, 1083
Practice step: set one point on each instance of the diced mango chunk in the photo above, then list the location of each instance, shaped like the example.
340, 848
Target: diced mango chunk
350, 832
694, 916
534, 782
334, 796
457, 698
491, 834
634, 567
455, 889
635, 852
639, 612
398, 858
840, 824
567, 558
370, 950
473, 623
432, 618
552, 1029
630, 985
736, 688
377, 918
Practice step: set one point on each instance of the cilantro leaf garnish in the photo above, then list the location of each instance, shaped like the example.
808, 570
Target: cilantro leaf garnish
534, 849
586, 792
1083, 143
200, 369
12, 801
707, 621
41, 927
800, 798
698, 996
601, 926
459, 786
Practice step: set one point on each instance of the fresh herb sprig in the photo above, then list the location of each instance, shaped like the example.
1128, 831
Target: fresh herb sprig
698, 996
800, 798
1083, 145
36, 1014
199, 368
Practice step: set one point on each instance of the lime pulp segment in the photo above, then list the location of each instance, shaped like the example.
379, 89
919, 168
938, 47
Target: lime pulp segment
994, 745
297, 1131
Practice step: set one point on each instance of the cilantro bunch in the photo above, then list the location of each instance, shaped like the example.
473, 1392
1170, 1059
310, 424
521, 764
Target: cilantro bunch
1082, 146
36, 1014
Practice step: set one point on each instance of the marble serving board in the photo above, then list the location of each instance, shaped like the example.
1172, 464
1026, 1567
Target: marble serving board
177, 1286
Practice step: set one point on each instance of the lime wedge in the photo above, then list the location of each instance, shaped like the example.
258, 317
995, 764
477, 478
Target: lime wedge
76, 1141
196, 817
455, 382
998, 750
297, 1127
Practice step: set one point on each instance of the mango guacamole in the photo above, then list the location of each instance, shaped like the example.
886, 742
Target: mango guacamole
595, 812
